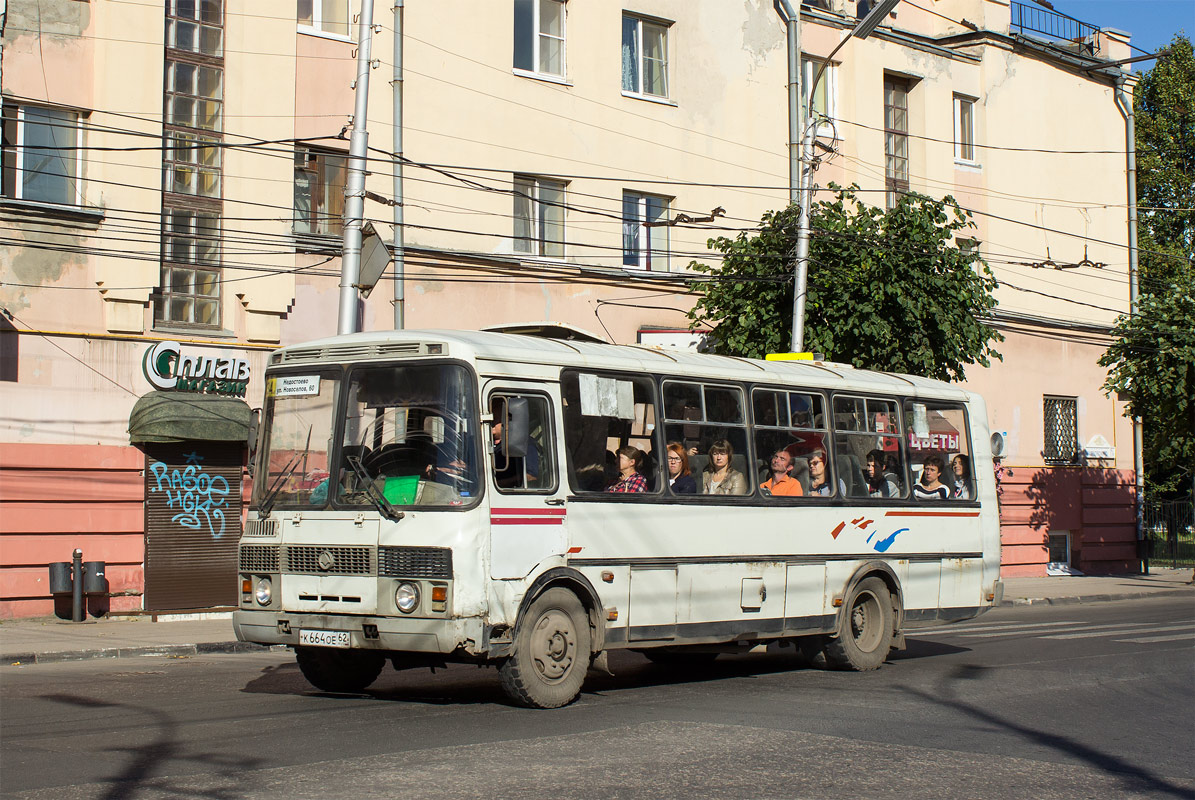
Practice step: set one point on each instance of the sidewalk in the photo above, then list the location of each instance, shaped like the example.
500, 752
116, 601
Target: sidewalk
48, 639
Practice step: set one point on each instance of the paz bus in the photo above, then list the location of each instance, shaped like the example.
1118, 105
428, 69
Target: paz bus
431, 496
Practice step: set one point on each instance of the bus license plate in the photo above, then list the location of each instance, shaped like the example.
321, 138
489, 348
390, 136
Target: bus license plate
324, 638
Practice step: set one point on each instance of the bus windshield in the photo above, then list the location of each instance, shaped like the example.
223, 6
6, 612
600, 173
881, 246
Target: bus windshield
299, 425
410, 437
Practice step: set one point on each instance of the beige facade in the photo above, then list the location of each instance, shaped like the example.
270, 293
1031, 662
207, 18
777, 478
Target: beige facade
692, 116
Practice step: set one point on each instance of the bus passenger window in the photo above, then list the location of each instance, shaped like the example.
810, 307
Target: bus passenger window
535, 470
604, 417
939, 430
787, 423
709, 423
868, 448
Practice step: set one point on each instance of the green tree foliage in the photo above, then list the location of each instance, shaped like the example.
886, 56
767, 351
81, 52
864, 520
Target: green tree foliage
1152, 358
886, 290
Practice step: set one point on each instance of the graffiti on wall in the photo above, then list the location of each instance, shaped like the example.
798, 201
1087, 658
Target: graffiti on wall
200, 498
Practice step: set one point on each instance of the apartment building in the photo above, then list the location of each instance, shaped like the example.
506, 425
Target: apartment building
172, 205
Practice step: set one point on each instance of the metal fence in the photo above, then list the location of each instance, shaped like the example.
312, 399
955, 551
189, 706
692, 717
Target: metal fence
1051, 24
1170, 533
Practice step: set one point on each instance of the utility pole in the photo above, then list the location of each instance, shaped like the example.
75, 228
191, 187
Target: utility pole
396, 86
354, 190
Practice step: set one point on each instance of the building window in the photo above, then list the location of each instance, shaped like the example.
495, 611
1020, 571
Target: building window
195, 95
40, 160
1061, 425
539, 36
896, 138
644, 57
824, 96
319, 192
964, 128
539, 216
195, 26
645, 231
325, 16
190, 293
192, 164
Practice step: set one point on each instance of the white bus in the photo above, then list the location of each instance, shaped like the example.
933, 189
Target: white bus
424, 497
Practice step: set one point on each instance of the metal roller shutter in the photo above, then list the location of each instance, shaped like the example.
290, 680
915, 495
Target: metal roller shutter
192, 525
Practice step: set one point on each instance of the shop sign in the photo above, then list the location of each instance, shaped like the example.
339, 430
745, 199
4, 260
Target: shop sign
168, 368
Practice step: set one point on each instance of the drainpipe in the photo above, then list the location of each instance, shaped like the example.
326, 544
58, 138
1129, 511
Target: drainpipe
796, 182
399, 231
1125, 104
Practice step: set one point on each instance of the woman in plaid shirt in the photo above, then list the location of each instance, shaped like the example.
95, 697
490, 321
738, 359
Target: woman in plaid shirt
629, 479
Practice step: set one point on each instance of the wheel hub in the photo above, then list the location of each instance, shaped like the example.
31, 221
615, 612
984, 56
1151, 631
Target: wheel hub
553, 645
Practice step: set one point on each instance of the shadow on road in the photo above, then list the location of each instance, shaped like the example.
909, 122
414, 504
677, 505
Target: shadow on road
1136, 778
226, 779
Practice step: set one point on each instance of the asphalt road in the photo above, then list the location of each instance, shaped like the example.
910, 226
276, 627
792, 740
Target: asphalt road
1036, 702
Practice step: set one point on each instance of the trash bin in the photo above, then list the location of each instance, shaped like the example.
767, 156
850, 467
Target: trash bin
60, 577
94, 581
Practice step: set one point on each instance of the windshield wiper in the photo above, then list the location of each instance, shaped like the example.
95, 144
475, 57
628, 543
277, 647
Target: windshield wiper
371, 491
267, 502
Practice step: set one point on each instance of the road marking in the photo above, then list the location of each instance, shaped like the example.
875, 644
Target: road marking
1003, 626
1075, 626
1122, 631
1151, 639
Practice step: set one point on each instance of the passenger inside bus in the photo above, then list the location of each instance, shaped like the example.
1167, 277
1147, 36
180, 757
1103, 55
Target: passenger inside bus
680, 477
781, 483
960, 465
719, 477
819, 482
511, 472
630, 479
879, 482
930, 487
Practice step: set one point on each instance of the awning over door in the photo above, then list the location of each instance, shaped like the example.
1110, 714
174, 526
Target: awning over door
180, 417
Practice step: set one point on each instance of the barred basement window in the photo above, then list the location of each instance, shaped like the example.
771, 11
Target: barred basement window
1061, 418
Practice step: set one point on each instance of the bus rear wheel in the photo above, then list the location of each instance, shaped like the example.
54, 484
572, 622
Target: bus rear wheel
341, 671
866, 635
551, 652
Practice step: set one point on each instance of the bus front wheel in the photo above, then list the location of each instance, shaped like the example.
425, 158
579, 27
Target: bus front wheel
866, 635
551, 652
341, 671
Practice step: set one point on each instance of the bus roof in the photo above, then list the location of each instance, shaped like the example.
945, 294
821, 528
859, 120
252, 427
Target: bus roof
506, 347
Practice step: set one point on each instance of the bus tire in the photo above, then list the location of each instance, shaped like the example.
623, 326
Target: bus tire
551, 654
866, 635
341, 671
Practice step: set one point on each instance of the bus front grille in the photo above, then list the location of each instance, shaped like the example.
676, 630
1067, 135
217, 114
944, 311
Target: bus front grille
258, 558
320, 560
415, 562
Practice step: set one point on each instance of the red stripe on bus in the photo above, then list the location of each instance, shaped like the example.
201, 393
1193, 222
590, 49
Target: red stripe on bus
527, 512
931, 514
526, 521
572, 550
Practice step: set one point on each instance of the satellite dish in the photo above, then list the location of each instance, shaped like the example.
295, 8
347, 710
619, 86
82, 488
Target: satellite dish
999, 444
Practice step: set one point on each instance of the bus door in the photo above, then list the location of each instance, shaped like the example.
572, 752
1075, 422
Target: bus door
527, 505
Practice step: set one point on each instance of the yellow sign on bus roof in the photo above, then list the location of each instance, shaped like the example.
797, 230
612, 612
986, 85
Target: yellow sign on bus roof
790, 357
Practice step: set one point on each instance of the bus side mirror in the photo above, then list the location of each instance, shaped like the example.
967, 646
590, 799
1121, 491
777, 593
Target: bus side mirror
251, 438
516, 427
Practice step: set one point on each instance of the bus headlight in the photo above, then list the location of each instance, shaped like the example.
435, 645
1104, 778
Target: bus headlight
406, 597
264, 591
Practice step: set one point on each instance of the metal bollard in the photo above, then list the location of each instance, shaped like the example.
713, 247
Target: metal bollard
77, 601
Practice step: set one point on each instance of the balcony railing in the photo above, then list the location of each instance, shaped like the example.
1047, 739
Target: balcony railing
1053, 25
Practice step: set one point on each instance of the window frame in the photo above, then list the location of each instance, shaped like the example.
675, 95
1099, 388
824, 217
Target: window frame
964, 135
660, 492
547, 456
898, 433
745, 425
966, 445
536, 35
646, 258
538, 245
640, 58
172, 165
173, 20
15, 153
322, 225
1058, 401
317, 13
893, 183
213, 266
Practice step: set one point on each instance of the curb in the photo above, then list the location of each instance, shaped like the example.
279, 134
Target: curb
166, 651
1092, 598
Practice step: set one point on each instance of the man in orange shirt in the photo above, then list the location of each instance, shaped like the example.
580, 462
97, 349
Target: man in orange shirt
782, 483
